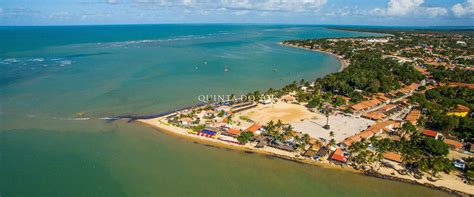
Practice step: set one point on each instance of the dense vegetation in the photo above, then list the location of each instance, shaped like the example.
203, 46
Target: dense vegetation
441, 74
369, 73
419, 153
437, 102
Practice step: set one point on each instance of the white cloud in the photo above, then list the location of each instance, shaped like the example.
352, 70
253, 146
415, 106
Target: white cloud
260, 5
397, 8
402, 7
241, 12
436, 11
464, 9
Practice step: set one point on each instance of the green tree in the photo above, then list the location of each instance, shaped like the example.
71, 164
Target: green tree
244, 137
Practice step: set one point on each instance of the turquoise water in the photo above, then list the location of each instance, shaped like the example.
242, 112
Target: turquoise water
48, 74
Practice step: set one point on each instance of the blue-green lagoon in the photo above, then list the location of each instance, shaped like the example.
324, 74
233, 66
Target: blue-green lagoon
50, 74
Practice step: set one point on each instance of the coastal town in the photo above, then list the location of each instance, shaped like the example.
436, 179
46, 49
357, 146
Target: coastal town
401, 108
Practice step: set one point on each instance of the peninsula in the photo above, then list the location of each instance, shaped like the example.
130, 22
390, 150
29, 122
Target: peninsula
401, 108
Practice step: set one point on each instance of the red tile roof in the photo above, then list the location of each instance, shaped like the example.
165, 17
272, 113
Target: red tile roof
467, 85
457, 145
254, 128
233, 131
393, 156
430, 133
337, 155
413, 116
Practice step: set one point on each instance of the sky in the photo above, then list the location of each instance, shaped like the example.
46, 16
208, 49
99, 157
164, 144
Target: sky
333, 12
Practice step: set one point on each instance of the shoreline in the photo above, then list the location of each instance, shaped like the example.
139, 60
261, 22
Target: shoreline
250, 148
276, 153
268, 151
343, 62
358, 31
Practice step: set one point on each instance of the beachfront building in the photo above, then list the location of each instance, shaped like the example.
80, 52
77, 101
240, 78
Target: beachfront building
338, 157
392, 156
288, 98
232, 132
373, 130
256, 129
186, 121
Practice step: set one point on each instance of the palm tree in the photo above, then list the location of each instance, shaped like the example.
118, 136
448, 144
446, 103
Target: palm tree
271, 125
279, 124
306, 138
332, 142
327, 110
331, 134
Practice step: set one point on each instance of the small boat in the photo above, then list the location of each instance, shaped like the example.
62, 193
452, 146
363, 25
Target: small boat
225, 69
275, 70
79, 114
205, 62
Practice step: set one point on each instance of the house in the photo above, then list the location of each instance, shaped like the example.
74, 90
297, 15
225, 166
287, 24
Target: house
375, 40
310, 153
467, 85
388, 107
338, 156
266, 101
382, 97
392, 156
413, 116
459, 110
323, 152
431, 133
186, 121
255, 129
365, 105
374, 115
453, 144
373, 130
233, 131
462, 43
288, 98
409, 89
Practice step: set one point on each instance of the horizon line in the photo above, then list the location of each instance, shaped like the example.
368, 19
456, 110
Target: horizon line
191, 23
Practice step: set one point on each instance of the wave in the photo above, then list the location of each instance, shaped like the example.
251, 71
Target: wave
154, 41
35, 62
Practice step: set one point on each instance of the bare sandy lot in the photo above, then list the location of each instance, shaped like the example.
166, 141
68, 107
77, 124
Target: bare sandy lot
287, 113
342, 126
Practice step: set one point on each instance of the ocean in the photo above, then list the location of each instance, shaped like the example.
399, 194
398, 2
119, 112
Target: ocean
49, 75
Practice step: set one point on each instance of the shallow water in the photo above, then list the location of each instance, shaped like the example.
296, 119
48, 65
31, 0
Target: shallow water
48, 74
